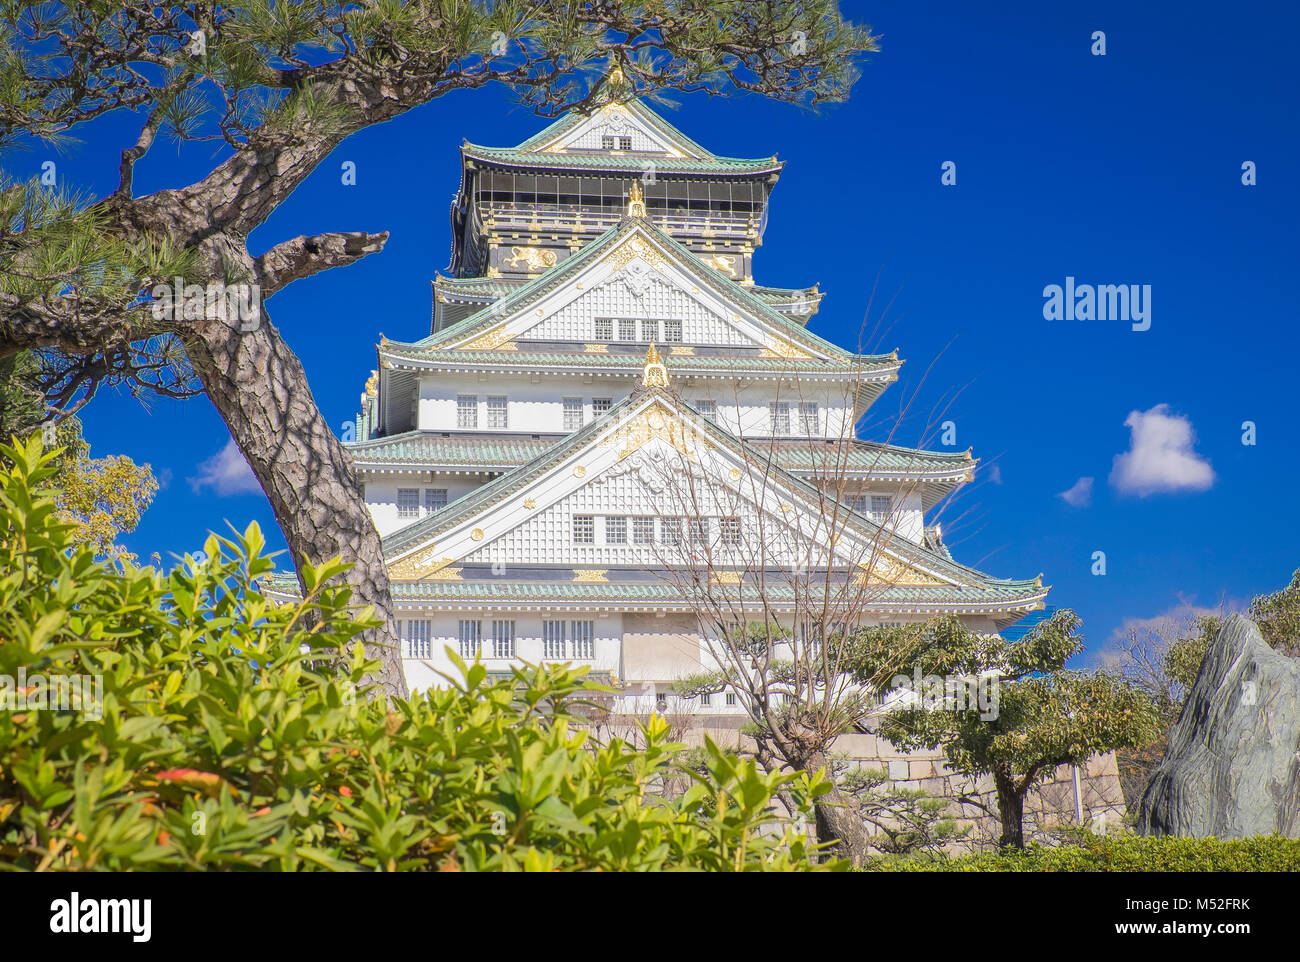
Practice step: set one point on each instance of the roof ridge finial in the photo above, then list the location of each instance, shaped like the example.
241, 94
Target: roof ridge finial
636, 200
655, 373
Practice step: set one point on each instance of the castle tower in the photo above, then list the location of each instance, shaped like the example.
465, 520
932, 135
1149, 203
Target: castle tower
598, 346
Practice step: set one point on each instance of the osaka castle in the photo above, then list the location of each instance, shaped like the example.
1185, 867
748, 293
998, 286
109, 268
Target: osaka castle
612, 441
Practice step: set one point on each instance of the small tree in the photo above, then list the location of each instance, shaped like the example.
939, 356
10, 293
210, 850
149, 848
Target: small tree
1278, 617
1043, 716
101, 498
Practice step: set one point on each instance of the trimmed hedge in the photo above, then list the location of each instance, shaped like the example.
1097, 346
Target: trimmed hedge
1131, 853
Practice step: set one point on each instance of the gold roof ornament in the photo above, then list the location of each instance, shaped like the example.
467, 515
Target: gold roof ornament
636, 201
655, 374
372, 385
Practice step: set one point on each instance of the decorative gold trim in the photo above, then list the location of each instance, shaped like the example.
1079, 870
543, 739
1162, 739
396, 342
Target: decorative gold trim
595, 348
726, 578
656, 421
734, 474
682, 349
636, 200
489, 341
724, 263
533, 259
530, 503
590, 576
476, 534
423, 567
636, 246
580, 472
891, 571
776, 347
654, 373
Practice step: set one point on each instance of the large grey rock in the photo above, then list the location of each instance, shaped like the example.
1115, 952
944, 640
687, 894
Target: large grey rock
1232, 768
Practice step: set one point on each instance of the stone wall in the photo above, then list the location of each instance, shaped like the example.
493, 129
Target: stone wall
973, 802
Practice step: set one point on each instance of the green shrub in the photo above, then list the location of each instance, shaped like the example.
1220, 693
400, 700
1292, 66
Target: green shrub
225, 744
1131, 853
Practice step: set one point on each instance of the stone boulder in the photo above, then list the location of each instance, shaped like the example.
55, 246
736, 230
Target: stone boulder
1232, 768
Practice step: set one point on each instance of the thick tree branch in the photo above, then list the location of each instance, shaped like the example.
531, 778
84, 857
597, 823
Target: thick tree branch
304, 256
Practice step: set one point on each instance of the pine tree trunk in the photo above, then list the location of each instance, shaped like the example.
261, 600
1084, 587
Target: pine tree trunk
260, 389
839, 822
837, 818
1011, 810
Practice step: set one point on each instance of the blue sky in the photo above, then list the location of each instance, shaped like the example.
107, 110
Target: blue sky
1116, 169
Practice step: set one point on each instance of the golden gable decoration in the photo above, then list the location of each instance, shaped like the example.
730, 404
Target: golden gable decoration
892, 572
424, 567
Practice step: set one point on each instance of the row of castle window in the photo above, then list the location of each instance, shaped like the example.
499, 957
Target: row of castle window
573, 408
878, 507
672, 531
781, 414
668, 331
408, 501
560, 639
498, 411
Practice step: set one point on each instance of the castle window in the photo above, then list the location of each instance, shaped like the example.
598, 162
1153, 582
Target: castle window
615, 143
698, 530
572, 413
553, 639
881, 506
616, 531
584, 529
471, 638
599, 405
808, 419
584, 639
730, 531
467, 411
643, 530
408, 502
604, 329
730, 698
706, 700
435, 499
673, 331
650, 330
503, 639
671, 531
498, 408
779, 414
709, 409
418, 644
627, 329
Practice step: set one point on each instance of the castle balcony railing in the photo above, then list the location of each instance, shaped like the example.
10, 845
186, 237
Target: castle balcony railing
593, 219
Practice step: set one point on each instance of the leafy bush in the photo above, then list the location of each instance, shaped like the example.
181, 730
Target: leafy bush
1130, 853
236, 733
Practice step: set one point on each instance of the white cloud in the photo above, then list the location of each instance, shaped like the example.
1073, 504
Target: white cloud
1160, 456
1080, 495
227, 473
995, 474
